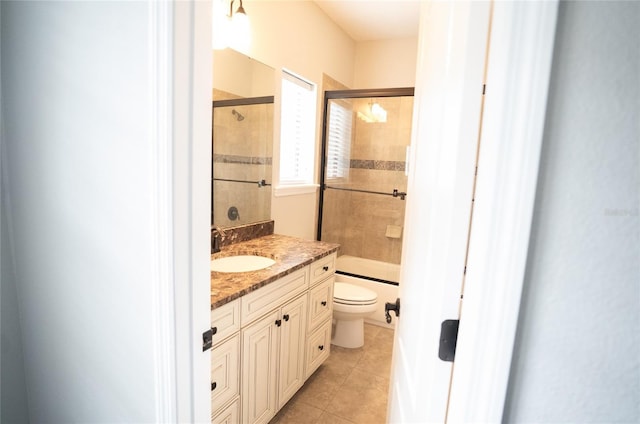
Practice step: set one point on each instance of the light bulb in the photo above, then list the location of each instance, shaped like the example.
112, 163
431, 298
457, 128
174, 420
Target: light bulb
379, 114
241, 32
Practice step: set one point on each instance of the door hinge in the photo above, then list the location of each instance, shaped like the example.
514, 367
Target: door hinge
207, 338
484, 89
448, 339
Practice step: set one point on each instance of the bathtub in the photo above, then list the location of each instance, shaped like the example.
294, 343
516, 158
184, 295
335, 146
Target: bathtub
358, 269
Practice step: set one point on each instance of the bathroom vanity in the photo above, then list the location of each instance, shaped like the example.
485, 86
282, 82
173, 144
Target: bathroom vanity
272, 327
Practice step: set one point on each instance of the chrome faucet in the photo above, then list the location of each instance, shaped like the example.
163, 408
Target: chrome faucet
217, 234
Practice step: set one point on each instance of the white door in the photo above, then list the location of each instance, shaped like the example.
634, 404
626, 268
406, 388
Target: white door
453, 44
449, 81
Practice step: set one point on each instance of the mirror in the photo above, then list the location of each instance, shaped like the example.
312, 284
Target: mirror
242, 139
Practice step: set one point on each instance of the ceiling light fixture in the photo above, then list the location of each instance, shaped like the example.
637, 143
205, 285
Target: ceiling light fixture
373, 113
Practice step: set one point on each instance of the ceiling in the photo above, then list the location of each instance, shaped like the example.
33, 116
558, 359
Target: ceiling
369, 20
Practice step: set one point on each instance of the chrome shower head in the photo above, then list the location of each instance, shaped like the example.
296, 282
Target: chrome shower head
238, 115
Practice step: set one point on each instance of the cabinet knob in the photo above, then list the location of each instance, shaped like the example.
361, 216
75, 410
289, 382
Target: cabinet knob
323, 303
214, 330
321, 347
325, 268
278, 322
213, 386
285, 317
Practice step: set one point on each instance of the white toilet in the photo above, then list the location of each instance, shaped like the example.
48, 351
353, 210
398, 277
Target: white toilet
351, 304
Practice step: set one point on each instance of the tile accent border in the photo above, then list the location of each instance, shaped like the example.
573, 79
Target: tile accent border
379, 165
247, 160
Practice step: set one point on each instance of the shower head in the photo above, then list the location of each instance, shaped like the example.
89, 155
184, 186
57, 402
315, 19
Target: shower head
237, 114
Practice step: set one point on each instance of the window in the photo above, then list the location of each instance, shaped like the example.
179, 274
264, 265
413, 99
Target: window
338, 141
297, 130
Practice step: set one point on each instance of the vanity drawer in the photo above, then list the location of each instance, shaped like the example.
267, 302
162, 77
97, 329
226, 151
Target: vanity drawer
318, 348
230, 415
225, 320
320, 303
322, 268
225, 373
261, 301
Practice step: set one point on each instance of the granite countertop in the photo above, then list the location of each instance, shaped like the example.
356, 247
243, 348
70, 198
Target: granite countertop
290, 254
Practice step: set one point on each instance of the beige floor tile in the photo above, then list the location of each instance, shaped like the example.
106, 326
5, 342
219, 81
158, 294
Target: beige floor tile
333, 370
370, 332
361, 405
295, 412
366, 380
318, 392
345, 356
376, 361
385, 337
328, 418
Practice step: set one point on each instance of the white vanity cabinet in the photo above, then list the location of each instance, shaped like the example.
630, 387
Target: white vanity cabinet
283, 334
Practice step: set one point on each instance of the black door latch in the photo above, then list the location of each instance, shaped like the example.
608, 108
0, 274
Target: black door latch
395, 307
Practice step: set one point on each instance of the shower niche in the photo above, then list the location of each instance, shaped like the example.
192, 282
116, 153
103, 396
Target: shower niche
366, 135
242, 139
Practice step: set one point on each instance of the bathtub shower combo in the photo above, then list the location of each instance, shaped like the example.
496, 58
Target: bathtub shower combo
366, 135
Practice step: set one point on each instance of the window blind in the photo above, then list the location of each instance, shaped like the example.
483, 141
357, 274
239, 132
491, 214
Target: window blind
297, 132
339, 141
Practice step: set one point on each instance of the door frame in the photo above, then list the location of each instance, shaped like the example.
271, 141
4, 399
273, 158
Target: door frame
180, 86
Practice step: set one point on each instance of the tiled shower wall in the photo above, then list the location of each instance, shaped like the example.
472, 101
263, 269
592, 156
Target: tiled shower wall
242, 151
358, 221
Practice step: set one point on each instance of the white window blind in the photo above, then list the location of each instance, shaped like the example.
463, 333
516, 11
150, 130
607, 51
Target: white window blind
297, 130
339, 141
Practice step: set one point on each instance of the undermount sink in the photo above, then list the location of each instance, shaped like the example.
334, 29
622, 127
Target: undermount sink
241, 263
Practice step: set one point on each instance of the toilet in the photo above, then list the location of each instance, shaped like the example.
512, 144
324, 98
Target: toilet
351, 304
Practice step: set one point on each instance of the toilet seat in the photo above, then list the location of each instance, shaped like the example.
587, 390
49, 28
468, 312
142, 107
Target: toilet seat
349, 294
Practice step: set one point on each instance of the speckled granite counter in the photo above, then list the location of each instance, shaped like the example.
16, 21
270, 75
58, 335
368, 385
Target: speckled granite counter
290, 254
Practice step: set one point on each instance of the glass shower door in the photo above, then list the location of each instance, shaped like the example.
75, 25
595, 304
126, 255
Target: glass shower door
364, 181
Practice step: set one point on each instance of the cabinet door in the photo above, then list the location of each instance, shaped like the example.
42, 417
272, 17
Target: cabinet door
259, 362
225, 382
292, 345
320, 303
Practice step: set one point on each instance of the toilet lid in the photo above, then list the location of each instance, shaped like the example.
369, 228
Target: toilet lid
348, 293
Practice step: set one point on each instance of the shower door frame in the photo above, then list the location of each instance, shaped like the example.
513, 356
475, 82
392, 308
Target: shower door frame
241, 101
347, 94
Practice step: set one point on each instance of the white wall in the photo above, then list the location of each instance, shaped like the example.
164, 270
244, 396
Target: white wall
386, 63
577, 353
77, 193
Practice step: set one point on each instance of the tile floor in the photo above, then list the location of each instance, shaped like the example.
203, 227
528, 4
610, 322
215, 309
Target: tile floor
351, 387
